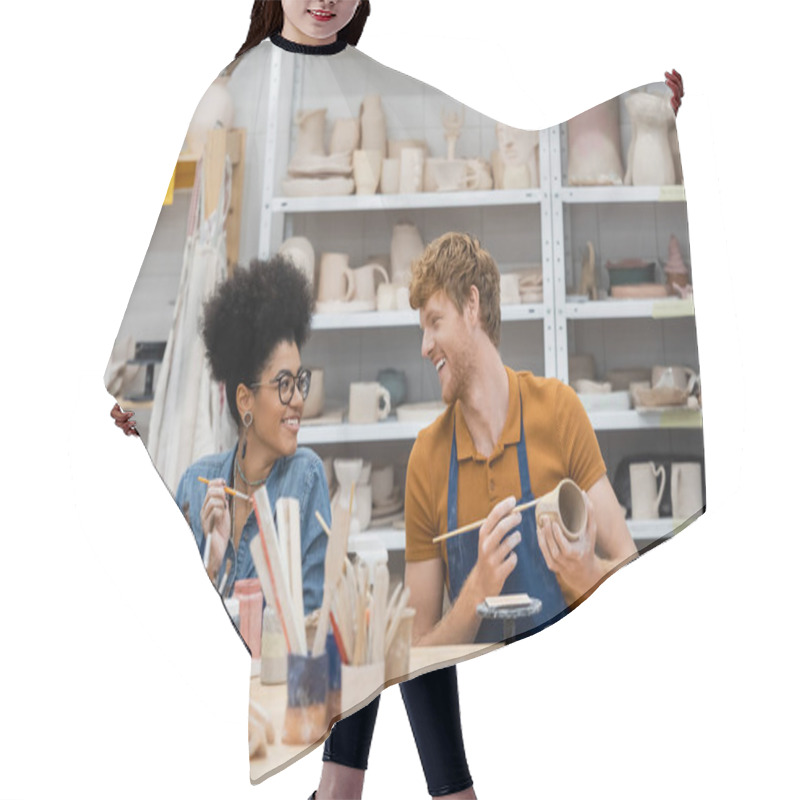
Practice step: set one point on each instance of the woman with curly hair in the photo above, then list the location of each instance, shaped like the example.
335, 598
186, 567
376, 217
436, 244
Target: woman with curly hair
253, 329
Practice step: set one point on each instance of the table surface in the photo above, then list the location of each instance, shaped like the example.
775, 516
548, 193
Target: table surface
273, 700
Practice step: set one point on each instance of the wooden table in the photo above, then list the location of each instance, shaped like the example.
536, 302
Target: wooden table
273, 699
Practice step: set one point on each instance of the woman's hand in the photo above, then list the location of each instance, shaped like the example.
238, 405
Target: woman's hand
124, 420
216, 523
675, 82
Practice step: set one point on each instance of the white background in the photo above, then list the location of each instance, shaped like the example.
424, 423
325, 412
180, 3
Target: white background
119, 674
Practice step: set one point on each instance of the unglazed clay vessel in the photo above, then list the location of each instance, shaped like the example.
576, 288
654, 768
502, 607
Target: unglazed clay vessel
215, 110
412, 163
390, 176
373, 124
566, 506
675, 270
452, 121
650, 160
588, 279
345, 136
311, 133
647, 487
407, 245
479, 175
686, 489
301, 253
594, 148
367, 170
336, 279
518, 152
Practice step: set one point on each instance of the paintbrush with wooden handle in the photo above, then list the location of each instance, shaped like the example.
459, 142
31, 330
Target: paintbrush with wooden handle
334, 560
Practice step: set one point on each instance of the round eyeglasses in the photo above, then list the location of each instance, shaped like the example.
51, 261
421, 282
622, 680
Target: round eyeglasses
285, 383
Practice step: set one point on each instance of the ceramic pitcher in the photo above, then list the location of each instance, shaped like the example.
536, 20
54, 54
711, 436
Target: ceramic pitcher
646, 491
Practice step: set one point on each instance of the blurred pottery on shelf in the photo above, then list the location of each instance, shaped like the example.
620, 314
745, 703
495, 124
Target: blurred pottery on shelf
650, 161
593, 148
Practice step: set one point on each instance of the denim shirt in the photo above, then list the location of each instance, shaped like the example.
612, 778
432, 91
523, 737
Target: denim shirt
301, 476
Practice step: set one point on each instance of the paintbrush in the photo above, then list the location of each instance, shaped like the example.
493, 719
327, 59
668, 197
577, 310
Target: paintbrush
396, 618
475, 525
227, 490
335, 555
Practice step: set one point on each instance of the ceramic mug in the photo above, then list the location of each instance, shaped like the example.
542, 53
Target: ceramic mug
367, 170
369, 402
365, 281
566, 506
315, 402
336, 279
390, 176
686, 489
646, 492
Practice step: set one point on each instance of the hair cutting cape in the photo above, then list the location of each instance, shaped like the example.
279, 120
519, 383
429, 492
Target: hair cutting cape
587, 223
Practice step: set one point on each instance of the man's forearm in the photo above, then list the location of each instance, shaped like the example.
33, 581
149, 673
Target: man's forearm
460, 624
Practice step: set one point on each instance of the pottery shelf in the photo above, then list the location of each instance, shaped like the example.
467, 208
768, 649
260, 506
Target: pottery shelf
635, 420
621, 194
391, 202
669, 308
395, 538
389, 430
402, 319
394, 431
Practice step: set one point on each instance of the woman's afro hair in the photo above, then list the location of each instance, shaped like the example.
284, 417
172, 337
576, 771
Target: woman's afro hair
250, 313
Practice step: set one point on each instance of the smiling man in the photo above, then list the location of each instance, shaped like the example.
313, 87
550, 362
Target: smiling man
506, 436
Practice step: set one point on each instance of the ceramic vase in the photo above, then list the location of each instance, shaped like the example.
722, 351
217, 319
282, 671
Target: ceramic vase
373, 124
367, 170
650, 161
595, 151
215, 110
407, 245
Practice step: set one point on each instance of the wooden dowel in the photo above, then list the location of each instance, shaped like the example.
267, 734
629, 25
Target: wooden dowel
475, 525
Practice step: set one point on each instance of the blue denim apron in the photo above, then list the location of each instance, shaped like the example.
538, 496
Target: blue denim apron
531, 574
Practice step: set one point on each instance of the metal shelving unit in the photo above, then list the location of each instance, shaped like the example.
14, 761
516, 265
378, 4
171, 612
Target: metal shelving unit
552, 203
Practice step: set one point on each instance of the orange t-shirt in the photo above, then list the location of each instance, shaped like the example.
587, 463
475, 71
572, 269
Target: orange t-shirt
559, 439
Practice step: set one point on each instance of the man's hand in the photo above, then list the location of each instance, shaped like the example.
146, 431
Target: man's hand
496, 556
575, 563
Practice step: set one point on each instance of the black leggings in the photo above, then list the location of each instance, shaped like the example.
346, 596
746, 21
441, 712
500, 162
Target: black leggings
431, 702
